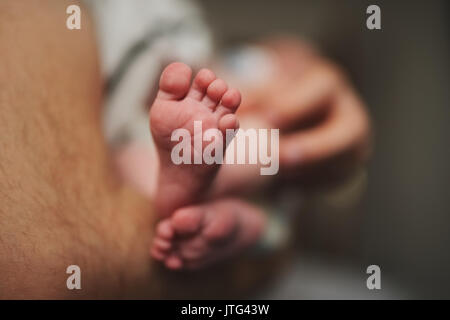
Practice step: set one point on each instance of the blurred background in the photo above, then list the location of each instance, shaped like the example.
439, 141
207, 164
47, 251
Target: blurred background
401, 218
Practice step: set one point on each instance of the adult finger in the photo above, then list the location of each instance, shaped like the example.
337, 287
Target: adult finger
345, 127
307, 96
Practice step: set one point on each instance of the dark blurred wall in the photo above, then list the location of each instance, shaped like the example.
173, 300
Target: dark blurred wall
402, 71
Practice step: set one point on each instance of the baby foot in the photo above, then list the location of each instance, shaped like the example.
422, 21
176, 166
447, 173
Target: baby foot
177, 105
197, 236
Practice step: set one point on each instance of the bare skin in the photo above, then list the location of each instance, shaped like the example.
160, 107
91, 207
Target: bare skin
324, 125
325, 132
197, 236
177, 106
61, 202
323, 122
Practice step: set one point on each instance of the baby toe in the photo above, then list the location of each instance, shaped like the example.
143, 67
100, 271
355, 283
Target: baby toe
186, 221
173, 262
230, 102
162, 244
175, 81
214, 93
228, 122
157, 254
201, 83
165, 230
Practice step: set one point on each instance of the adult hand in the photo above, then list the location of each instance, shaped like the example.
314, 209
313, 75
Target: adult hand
324, 125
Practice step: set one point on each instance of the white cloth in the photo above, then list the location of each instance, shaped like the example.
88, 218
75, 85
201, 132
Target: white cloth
137, 39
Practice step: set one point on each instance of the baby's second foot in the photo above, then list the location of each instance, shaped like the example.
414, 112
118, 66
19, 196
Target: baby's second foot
177, 106
197, 236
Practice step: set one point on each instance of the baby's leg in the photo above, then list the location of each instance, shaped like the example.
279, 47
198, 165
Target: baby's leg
197, 236
177, 106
